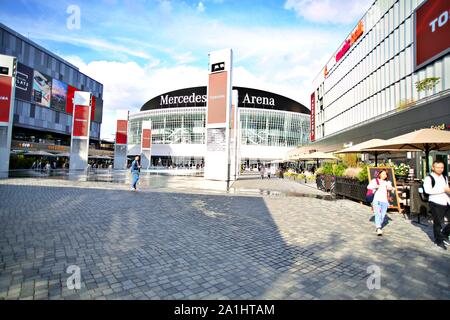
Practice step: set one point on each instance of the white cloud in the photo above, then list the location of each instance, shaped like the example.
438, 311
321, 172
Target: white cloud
329, 11
201, 7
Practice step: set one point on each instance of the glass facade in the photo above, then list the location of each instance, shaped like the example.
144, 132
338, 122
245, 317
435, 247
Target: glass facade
376, 77
258, 127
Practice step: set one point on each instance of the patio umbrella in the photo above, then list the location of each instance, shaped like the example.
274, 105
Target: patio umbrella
421, 140
63, 154
39, 153
317, 156
364, 148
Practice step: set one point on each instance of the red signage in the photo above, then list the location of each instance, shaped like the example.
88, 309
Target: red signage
81, 121
70, 94
146, 138
350, 41
217, 98
122, 132
5, 98
432, 31
313, 117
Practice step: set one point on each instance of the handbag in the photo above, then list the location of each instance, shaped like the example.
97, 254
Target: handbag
370, 194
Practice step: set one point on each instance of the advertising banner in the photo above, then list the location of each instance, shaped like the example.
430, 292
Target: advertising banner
431, 31
59, 95
24, 82
93, 101
122, 132
81, 121
42, 89
313, 117
146, 138
70, 94
5, 98
217, 98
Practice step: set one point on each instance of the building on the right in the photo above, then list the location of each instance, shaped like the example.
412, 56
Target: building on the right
390, 76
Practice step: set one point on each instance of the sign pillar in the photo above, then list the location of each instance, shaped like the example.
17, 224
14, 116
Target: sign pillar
146, 144
234, 137
218, 119
120, 148
8, 67
81, 124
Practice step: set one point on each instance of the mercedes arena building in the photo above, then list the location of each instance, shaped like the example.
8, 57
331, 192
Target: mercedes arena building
269, 126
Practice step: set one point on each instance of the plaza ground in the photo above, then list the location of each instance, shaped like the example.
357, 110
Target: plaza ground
266, 239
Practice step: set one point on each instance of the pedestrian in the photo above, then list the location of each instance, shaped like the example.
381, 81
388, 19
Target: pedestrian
268, 173
380, 186
261, 171
135, 171
436, 186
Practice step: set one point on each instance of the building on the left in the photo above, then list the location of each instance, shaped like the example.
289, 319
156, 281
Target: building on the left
45, 85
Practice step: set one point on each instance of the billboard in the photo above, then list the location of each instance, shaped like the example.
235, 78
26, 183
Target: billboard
146, 138
5, 97
42, 89
24, 82
217, 99
59, 95
431, 32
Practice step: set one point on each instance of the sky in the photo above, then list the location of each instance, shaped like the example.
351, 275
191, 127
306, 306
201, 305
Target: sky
139, 49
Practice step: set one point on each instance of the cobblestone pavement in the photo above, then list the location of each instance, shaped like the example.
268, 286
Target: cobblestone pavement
179, 245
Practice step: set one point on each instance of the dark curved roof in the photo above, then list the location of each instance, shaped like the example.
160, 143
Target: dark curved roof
280, 102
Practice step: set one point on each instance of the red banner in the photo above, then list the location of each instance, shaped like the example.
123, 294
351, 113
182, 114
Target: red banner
70, 94
146, 138
313, 117
81, 121
5, 98
217, 98
92, 107
432, 31
122, 132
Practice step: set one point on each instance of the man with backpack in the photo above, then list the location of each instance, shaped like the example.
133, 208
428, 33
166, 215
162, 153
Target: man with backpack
436, 187
135, 171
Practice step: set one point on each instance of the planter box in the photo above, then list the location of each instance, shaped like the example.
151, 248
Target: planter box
325, 182
351, 188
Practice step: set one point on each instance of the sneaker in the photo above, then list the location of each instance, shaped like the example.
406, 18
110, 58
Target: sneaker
379, 232
446, 242
441, 245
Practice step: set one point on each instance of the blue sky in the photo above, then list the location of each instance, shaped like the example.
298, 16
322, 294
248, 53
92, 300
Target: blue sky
141, 48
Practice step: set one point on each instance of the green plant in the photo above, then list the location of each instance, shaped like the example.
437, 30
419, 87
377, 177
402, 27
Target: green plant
404, 104
338, 169
352, 172
311, 177
363, 175
402, 169
301, 176
427, 84
327, 168
319, 171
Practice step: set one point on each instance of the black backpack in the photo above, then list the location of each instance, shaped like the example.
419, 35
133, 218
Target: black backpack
423, 195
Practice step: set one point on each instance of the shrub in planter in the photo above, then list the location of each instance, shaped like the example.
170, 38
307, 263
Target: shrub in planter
311, 177
301, 176
327, 168
338, 169
363, 175
352, 173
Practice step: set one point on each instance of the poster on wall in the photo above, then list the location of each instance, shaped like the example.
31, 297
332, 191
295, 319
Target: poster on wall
59, 95
24, 82
42, 89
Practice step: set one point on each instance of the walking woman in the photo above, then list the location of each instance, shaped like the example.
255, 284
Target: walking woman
135, 171
381, 186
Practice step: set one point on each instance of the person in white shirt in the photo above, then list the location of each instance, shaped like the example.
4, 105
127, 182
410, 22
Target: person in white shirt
381, 186
439, 200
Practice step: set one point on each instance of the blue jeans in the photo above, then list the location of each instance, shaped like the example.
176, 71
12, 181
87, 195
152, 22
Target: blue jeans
135, 180
380, 209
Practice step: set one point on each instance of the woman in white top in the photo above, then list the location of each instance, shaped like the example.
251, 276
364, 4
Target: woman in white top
381, 186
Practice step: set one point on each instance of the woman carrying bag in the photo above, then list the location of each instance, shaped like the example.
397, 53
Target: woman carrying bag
378, 189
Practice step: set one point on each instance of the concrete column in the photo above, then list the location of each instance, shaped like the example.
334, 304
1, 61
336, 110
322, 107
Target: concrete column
146, 144
120, 147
